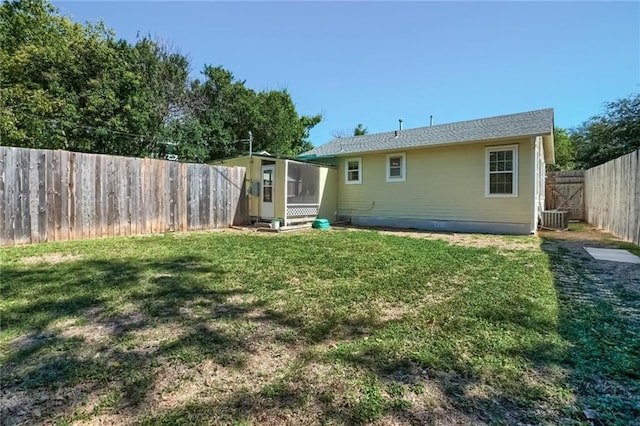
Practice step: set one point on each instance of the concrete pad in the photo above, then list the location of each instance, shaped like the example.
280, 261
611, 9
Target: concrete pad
613, 255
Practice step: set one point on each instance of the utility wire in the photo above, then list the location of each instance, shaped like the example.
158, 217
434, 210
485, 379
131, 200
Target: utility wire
86, 126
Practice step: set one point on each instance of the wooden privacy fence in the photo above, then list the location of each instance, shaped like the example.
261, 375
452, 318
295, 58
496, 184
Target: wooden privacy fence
565, 191
612, 196
59, 195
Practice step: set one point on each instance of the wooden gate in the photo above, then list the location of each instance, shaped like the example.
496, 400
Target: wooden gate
565, 191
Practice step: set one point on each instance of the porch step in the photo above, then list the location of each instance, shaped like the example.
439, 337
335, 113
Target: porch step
289, 228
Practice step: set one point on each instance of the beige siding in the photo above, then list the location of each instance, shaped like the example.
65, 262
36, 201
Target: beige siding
328, 193
280, 191
443, 183
328, 185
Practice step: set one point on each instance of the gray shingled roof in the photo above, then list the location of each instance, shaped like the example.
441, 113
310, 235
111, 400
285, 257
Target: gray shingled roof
532, 123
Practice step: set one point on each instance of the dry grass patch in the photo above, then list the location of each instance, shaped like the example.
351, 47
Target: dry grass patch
50, 259
466, 240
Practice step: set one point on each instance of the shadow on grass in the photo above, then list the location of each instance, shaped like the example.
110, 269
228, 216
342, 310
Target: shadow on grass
599, 317
75, 325
107, 304
79, 325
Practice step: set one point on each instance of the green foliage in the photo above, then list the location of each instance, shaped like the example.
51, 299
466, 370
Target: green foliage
228, 110
184, 138
609, 135
371, 405
70, 86
360, 130
565, 151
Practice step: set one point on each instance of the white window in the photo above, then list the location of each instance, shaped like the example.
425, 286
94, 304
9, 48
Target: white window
353, 170
396, 167
501, 178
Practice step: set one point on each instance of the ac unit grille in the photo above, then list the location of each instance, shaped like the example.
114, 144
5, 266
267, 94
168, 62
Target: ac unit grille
555, 219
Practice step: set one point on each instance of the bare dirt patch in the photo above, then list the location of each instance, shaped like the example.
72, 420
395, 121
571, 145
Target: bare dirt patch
51, 259
390, 312
598, 275
459, 239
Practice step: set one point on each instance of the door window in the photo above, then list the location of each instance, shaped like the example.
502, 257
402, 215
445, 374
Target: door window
267, 186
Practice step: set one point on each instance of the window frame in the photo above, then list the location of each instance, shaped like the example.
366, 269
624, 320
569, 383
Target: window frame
403, 167
514, 171
347, 181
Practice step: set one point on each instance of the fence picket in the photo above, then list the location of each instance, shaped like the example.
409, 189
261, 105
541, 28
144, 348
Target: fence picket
612, 196
10, 194
50, 195
23, 217
33, 196
43, 157
75, 192
3, 200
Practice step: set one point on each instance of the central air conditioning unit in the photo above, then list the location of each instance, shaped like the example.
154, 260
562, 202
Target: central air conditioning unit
555, 219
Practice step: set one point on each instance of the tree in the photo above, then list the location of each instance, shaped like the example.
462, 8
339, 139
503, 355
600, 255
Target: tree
70, 86
228, 110
75, 87
609, 135
184, 138
37, 60
341, 133
360, 130
565, 151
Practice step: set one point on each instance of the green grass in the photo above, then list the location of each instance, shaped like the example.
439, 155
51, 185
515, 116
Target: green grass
334, 327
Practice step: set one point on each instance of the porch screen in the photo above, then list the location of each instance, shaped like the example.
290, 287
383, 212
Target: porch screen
302, 184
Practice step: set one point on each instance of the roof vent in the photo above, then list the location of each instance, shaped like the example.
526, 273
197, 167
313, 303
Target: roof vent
400, 121
396, 134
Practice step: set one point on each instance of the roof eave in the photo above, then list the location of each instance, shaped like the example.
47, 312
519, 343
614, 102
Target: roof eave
443, 144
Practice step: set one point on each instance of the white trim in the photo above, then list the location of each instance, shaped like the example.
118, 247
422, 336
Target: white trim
539, 176
535, 149
285, 219
346, 171
487, 151
271, 167
403, 167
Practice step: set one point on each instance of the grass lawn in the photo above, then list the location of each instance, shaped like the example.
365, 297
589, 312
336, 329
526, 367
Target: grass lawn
328, 327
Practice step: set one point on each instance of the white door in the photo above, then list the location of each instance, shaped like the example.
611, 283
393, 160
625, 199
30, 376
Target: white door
266, 200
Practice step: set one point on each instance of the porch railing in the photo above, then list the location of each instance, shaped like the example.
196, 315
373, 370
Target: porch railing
302, 210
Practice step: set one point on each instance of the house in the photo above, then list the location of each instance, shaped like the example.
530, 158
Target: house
484, 175
288, 189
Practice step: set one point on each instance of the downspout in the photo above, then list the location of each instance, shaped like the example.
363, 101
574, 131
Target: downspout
536, 183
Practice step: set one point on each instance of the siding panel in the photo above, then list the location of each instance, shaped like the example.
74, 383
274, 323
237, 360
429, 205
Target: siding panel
443, 183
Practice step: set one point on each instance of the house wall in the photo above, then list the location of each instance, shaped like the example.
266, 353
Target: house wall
444, 189
328, 186
254, 174
328, 193
280, 193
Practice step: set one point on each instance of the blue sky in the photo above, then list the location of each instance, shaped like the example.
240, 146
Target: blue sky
376, 62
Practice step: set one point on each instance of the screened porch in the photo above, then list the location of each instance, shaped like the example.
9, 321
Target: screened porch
302, 192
